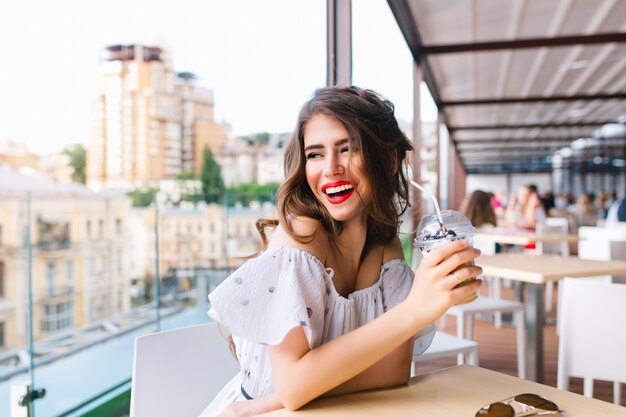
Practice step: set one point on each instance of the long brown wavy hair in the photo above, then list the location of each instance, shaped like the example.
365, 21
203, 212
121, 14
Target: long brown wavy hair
372, 127
477, 207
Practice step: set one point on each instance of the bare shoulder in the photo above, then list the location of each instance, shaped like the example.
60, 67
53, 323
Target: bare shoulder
303, 226
393, 250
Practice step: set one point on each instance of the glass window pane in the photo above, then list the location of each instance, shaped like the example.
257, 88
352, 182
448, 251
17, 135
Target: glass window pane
243, 69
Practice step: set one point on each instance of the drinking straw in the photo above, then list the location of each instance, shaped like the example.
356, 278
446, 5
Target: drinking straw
432, 197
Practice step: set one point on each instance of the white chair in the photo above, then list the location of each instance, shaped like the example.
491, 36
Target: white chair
590, 347
606, 279
465, 314
552, 226
445, 345
601, 243
493, 283
178, 372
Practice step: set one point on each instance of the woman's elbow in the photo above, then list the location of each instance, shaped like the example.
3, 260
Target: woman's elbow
406, 377
291, 399
403, 375
292, 407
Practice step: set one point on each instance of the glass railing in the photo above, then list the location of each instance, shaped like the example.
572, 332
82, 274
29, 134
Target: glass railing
74, 298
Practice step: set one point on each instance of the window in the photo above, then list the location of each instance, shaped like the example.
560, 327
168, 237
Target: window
118, 226
57, 316
50, 278
1, 280
88, 228
69, 273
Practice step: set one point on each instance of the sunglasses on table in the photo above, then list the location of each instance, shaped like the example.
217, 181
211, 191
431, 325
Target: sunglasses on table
520, 405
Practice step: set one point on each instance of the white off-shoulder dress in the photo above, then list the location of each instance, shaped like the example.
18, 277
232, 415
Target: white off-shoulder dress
285, 288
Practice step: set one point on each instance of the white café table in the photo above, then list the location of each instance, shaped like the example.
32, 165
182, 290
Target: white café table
450, 392
533, 271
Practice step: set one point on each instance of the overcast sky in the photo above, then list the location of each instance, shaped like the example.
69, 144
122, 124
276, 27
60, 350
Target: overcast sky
262, 59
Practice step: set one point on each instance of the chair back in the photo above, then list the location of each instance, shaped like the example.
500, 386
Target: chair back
592, 339
602, 243
178, 372
553, 226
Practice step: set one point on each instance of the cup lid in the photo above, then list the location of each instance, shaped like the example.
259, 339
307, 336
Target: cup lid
457, 224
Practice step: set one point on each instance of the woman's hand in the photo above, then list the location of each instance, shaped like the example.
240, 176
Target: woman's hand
440, 272
252, 407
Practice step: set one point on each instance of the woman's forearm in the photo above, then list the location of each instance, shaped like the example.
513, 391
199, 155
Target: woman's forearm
392, 370
339, 360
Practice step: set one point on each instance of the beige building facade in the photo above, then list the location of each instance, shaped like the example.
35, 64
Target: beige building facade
79, 259
193, 237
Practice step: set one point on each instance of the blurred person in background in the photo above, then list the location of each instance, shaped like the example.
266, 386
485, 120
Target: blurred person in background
584, 211
497, 203
479, 210
602, 204
617, 212
547, 200
525, 209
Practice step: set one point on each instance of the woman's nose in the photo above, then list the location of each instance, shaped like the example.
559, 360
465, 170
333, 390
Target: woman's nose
333, 166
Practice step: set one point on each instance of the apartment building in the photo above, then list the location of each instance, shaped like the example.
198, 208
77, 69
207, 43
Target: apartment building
78, 259
15, 154
244, 162
150, 123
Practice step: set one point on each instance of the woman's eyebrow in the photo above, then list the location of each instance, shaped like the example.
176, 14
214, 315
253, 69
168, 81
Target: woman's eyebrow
319, 146
316, 146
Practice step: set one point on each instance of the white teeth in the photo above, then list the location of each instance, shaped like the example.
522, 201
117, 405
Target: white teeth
333, 190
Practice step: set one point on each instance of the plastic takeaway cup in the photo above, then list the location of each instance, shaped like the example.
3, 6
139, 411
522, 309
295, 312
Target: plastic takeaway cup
430, 236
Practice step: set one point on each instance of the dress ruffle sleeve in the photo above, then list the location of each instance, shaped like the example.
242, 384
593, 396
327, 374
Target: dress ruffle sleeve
269, 295
397, 280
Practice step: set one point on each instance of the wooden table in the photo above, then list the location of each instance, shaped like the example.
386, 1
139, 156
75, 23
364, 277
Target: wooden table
534, 271
522, 237
456, 391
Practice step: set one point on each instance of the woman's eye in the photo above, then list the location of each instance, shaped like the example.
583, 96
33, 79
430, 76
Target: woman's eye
346, 149
312, 155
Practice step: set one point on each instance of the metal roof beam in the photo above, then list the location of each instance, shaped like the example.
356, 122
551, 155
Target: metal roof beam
601, 38
530, 125
518, 149
533, 99
460, 142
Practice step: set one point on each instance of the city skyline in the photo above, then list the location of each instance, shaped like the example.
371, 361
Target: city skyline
262, 61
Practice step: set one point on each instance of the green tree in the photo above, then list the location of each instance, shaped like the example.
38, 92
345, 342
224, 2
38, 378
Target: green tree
246, 192
211, 178
142, 198
77, 155
188, 175
262, 138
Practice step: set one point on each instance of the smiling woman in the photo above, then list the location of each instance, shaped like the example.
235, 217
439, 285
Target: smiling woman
330, 306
